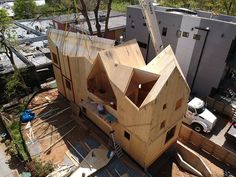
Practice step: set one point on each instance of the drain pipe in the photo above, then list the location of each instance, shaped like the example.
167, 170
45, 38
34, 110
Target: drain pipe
207, 29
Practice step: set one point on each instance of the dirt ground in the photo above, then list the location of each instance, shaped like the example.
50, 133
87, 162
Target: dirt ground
48, 132
166, 165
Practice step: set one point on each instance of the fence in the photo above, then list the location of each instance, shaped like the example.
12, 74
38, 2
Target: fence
220, 153
220, 107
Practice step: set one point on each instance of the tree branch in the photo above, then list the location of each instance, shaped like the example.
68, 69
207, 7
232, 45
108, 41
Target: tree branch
107, 18
84, 12
98, 26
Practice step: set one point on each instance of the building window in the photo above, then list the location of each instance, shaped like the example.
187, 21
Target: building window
164, 31
196, 36
54, 58
142, 45
185, 34
127, 135
164, 106
178, 103
178, 33
68, 84
163, 124
170, 134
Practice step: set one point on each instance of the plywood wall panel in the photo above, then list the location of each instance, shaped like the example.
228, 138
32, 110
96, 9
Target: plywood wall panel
158, 146
68, 90
59, 80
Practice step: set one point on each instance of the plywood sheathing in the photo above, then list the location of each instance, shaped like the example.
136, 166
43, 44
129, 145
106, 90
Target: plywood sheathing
79, 45
147, 119
127, 54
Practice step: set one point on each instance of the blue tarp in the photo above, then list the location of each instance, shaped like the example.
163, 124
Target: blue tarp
27, 115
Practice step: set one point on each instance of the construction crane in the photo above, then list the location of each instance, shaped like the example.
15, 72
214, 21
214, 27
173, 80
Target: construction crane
151, 21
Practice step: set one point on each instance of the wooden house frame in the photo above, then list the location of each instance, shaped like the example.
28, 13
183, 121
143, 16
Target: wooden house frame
144, 104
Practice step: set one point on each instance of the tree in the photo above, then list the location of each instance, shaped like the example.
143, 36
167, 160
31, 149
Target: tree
4, 44
14, 84
85, 5
227, 7
24, 9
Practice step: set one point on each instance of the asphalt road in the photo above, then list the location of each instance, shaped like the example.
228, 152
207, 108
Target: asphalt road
218, 132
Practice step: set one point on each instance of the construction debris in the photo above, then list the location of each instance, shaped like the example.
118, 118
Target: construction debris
61, 171
53, 116
65, 124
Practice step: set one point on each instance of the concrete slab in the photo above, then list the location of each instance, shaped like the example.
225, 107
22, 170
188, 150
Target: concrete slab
34, 148
5, 170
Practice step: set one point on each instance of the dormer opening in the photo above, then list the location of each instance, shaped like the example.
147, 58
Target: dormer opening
140, 85
99, 84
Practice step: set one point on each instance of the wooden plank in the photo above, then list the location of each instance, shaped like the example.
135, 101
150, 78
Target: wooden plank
231, 159
219, 153
58, 76
72, 158
185, 133
196, 139
53, 116
61, 126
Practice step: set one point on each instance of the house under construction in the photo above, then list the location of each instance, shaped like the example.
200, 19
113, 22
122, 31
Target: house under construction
140, 106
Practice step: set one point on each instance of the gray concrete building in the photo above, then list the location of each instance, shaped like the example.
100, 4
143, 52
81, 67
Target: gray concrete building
204, 43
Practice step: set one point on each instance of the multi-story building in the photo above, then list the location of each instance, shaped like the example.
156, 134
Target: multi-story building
204, 43
143, 105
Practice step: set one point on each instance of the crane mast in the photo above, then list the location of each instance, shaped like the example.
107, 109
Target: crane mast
151, 21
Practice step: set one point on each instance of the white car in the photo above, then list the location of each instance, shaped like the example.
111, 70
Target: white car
199, 117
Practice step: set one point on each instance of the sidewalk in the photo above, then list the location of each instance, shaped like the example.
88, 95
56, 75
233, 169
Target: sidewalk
5, 170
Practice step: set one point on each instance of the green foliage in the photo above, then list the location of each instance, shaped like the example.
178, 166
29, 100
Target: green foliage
14, 130
4, 20
121, 5
15, 88
218, 6
39, 168
4, 25
51, 10
24, 9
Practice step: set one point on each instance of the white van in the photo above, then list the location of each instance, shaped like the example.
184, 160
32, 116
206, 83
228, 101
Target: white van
199, 117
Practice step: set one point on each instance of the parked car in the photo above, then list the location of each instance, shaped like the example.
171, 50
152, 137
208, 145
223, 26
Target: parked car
230, 134
199, 117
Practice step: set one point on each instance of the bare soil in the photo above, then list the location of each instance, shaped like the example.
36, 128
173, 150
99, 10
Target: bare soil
165, 166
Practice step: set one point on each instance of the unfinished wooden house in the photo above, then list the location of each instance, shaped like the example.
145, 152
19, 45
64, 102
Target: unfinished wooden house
144, 104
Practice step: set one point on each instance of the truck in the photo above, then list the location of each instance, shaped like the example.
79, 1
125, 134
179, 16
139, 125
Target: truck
199, 117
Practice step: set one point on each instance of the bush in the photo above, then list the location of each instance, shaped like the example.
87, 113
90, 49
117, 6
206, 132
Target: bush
15, 88
37, 168
14, 130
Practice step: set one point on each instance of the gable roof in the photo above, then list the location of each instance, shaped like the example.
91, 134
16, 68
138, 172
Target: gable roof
123, 64
164, 65
127, 54
120, 73
78, 45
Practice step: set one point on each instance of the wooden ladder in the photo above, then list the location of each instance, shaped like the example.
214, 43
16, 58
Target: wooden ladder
116, 146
